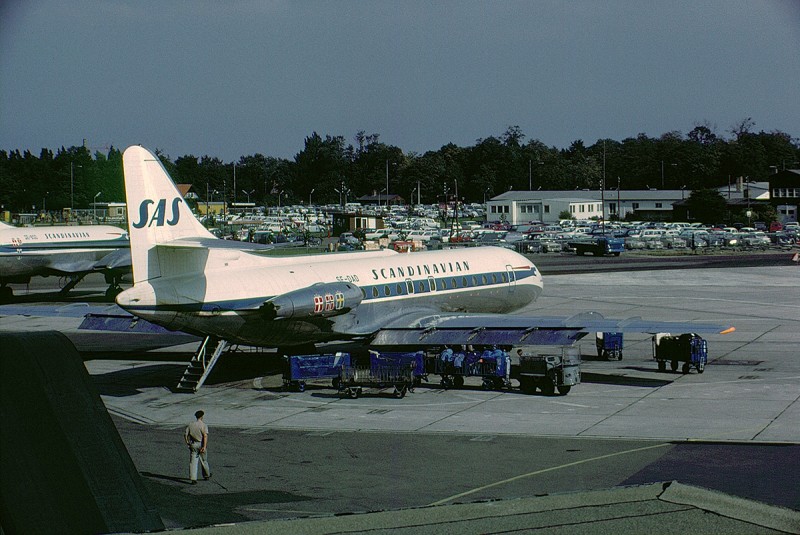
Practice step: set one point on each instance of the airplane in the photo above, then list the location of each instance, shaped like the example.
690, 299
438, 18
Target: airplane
67, 251
229, 293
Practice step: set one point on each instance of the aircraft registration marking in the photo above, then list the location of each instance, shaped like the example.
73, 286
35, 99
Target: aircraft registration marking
347, 278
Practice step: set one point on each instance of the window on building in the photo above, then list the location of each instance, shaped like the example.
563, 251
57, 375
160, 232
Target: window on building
635, 205
658, 205
505, 209
494, 209
546, 208
571, 209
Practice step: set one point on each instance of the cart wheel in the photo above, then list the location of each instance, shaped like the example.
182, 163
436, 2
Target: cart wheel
487, 383
620, 355
499, 383
605, 355
458, 381
353, 392
673, 365
400, 393
446, 382
547, 386
301, 386
686, 367
662, 366
701, 368
564, 389
526, 385
336, 382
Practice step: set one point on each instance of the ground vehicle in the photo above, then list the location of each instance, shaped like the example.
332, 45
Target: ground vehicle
549, 373
609, 345
598, 246
300, 368
690, 349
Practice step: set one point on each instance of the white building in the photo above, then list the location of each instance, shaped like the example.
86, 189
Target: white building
520, 207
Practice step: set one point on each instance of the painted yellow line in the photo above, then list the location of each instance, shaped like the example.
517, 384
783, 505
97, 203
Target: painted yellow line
551, 469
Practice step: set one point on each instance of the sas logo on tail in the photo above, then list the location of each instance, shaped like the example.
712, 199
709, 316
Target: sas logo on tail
159, 214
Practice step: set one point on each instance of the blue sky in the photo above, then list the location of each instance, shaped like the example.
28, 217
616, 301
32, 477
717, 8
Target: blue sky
242, 77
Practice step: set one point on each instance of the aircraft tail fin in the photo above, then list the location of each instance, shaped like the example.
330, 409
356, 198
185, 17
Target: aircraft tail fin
157, 213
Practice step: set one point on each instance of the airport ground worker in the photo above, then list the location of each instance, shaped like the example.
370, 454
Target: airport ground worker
196, 437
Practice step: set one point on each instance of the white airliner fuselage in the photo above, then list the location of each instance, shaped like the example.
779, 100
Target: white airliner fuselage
27, 252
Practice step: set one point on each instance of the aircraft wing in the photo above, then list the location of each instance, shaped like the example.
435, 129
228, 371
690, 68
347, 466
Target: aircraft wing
510, 330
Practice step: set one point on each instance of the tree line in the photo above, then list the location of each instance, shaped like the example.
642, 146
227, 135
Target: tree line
330, 169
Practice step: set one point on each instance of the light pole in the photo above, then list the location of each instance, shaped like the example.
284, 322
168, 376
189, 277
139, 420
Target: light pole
94, 205
248, 193
44, 202
310, 193
530, 173
662, 172
412, 196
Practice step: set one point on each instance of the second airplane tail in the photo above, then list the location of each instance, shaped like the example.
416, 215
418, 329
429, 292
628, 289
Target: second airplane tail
157, 213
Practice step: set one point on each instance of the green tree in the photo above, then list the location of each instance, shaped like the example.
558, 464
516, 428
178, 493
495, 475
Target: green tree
707, 206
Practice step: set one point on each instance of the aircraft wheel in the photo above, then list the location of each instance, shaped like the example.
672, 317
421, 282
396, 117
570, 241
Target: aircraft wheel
564, 389
673, 365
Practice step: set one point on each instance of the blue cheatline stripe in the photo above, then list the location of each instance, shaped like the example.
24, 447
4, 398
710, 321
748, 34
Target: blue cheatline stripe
33, 247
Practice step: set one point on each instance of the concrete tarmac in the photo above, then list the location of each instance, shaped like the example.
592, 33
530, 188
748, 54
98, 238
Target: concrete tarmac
277, 455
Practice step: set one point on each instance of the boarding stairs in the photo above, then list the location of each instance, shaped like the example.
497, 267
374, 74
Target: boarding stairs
201, 364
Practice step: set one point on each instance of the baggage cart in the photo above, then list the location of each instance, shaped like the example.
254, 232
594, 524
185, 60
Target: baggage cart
492, 365
609, 346
301, 368
689, 348
549, 373
415, 360
353, 379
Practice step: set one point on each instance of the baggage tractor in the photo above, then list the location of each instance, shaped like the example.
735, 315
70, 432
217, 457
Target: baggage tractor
549, 373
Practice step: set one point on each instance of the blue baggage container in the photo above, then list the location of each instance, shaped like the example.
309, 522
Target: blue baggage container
399, 360
609, 345
301, 368
494, 365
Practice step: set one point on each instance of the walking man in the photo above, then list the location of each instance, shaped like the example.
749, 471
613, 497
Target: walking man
196, 437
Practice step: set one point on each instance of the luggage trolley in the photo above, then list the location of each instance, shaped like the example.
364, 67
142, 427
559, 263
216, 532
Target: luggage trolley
690, 349
492, 365
379, 374
609, 346
415, 360
301, 368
